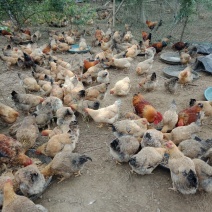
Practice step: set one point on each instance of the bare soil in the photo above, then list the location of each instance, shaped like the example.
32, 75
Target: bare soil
105, 186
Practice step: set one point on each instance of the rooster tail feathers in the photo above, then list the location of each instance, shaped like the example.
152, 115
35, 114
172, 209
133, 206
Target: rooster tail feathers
153, 76
115, 145
192, 179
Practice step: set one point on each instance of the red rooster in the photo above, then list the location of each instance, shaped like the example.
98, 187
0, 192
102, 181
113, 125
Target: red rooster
144, 109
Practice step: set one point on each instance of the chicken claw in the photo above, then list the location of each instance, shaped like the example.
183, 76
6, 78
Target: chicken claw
61, 179
77, 174
118, 163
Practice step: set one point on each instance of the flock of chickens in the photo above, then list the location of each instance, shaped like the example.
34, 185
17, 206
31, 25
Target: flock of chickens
65, 89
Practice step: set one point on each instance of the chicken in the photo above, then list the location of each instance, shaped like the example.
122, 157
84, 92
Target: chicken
26, 101
30, 180
57, 143
122, 87
90, 63
53, 45
29, 83
180, 46
144, 109
106, 45
107, 114
151, 24
117, 37
119, 63
36, 36
66, 163
144, 66
181, 133
204, 174
195, 147
13, 202
11, 152
145, 161
131, 116
146, 36
149, 83
28, 61
128, 36
132, 51
207, 106
103, 76
5, 32
189, 115
65, 115
55, 103
170, 118
136, 128
62, 47
9, 60
43, 116
96, 92
185, 58
153, 138
82, 104
47, 49
182, 168
185, 76
82, 44
159, 46
57, 91
27, 133
98, 34
171, 85
8, 114
122, 148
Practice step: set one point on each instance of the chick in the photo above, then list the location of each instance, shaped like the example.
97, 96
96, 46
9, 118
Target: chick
8, 114
170, 118
136, 128
171, 85
82, 44
152, 138
122, 87
147, 160
149, 83
204, 174
185, 76
96, 92
26, 101
66, 163
195, 147
13, 202
27, 133
122, 148
179, 134
30, 180
185, 58
108, 114
103, 76
44, 116
56, 144
29, 83
182, 168
65, 115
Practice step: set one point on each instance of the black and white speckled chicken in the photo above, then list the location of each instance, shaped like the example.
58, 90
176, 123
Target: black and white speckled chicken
171, 84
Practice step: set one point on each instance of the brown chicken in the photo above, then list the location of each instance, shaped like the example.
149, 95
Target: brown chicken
159, 46
89, 63
146, 36
189, 115
151, 24
98, 34
144, 109
8, 114
183, 173
66, 163
180, 46
11, 151
27, 133
56, 144
145, 161
122, 148
26, 31
5, 32
170, 118
13, 202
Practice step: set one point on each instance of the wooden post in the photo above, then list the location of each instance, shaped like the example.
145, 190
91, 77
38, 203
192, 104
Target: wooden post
114, 12
186, 21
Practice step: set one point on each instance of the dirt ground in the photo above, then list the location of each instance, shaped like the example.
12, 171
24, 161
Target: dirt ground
105, 186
